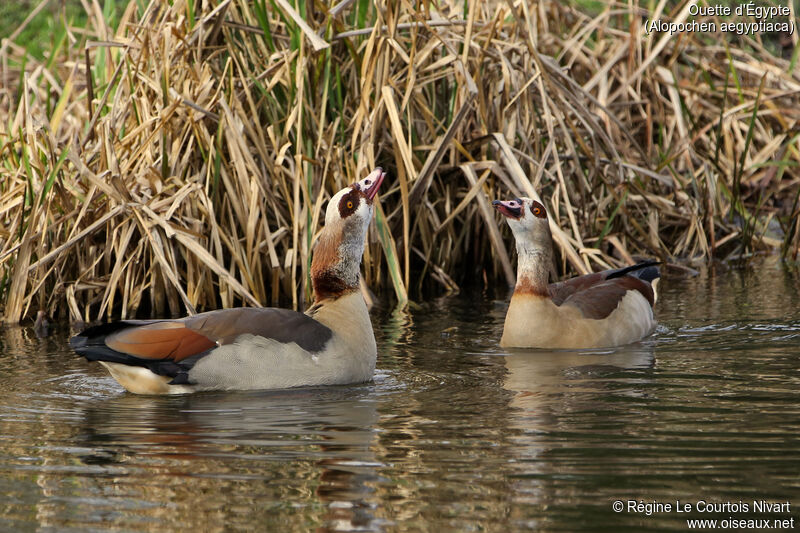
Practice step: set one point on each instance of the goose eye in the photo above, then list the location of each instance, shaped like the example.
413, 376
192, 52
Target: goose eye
538, 210
367, 182
349, 203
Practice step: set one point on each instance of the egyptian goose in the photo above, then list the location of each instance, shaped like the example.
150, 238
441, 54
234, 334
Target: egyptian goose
597, 310
259, 348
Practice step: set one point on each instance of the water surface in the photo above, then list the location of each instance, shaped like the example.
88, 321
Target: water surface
454, 434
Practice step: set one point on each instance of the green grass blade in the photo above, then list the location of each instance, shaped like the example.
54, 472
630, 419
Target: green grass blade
390, 252
610, 220
48, 184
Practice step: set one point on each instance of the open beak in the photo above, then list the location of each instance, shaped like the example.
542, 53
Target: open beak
370, 185
510, 208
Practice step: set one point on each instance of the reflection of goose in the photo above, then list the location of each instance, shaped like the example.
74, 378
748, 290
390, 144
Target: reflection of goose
537, 375
244, 450
255, 348
341, 415
604, 309
559, 410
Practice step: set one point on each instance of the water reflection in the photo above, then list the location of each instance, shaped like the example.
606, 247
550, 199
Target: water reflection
536, 375
317, 443
552, 392
442, 439
455, 433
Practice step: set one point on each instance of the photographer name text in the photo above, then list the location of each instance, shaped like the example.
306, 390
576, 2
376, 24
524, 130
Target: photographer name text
654, 506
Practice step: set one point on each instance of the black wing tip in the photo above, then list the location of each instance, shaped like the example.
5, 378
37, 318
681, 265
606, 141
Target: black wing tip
90, 343
96, 335
648, 274
647, 270
644, 270
93, 348
78, 342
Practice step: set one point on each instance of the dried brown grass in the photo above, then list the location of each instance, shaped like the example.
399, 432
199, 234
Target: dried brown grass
181, 159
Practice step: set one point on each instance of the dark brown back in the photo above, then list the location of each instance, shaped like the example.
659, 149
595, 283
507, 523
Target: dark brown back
602, 298
283, 325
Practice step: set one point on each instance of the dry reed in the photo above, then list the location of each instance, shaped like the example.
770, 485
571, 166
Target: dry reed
181, 159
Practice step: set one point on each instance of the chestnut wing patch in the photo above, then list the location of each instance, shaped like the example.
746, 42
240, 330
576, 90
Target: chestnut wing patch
160, 340
601, 299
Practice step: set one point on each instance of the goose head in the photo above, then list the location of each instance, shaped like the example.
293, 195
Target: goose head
337, 256
350, 210
527, 219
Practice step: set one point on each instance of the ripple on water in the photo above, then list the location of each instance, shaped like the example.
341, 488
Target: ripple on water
454, 433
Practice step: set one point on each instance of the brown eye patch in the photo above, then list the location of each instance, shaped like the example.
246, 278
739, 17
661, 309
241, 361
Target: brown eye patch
538, 209
349, 203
